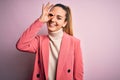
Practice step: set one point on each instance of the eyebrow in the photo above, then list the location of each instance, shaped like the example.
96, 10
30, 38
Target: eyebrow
59, 16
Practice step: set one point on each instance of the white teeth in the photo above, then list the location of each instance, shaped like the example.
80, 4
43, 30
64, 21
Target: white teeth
52, 24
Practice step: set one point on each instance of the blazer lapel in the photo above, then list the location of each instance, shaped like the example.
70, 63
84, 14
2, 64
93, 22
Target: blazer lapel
45, 53
63, 54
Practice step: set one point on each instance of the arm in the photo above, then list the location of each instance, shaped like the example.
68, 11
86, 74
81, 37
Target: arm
78, 63
29, 39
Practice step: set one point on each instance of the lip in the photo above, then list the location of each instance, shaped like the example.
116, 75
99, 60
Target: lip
52, 24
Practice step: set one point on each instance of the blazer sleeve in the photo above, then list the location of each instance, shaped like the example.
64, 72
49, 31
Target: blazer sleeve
29, 40
78, 62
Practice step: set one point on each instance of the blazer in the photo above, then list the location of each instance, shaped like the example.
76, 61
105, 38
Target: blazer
70, 64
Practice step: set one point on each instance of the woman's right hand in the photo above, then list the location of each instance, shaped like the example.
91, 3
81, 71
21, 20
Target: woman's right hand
45, 12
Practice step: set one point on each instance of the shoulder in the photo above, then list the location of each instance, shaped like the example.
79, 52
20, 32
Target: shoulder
72, 38
42, 37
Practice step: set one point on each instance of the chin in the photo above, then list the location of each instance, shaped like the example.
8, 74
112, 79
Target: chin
51, 30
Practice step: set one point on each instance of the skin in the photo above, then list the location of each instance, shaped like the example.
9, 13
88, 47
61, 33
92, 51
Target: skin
54, 17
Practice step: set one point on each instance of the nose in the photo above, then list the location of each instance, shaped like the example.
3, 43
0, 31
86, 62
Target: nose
53, 18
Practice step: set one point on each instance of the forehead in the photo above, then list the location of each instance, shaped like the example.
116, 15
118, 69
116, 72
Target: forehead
58, 11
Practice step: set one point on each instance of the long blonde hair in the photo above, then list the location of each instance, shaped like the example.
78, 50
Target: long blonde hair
68, 28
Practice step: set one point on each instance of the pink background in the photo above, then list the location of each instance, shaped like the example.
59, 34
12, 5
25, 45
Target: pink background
96, 23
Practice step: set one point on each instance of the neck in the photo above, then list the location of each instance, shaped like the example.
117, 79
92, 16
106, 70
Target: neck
56, 35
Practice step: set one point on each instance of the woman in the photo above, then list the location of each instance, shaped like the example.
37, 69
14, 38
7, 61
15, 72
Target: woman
58, 54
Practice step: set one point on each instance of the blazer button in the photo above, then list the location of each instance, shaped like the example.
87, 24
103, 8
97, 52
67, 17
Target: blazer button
38, 75
68, 70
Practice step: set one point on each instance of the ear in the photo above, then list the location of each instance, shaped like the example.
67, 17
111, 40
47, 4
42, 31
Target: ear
65, 23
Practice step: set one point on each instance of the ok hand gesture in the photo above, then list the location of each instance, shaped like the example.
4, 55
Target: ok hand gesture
45, 12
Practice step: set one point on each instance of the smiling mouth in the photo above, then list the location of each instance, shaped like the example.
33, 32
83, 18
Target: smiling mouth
52, 24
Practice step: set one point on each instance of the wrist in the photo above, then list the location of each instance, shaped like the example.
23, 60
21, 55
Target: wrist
41, 20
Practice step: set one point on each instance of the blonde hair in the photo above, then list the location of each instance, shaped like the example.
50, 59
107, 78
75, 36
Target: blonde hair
68, 28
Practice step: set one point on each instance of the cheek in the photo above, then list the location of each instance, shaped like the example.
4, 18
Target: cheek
60, 23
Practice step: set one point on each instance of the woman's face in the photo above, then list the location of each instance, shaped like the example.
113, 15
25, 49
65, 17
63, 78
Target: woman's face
57, 19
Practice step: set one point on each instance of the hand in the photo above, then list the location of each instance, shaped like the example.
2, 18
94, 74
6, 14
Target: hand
45, 12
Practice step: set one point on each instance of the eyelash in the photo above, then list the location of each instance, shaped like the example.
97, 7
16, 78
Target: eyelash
52, 15
59, 18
